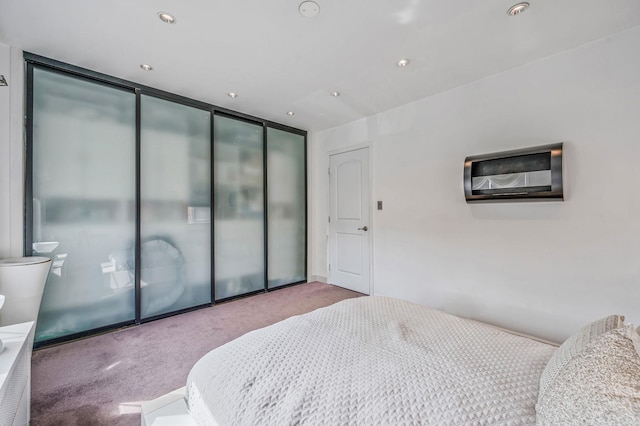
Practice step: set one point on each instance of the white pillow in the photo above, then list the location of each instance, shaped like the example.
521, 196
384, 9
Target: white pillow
600, 386
574, 345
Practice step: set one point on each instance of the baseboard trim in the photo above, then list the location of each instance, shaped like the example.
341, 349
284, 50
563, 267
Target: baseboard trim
318, 278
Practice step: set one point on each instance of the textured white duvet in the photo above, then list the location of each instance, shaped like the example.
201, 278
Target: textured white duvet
370, 360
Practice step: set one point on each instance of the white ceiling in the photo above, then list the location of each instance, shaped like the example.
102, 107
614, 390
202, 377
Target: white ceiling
279, 61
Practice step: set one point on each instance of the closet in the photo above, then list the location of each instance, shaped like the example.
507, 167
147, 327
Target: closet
152, 204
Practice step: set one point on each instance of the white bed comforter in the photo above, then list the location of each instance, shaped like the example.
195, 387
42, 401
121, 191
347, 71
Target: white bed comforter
368, 361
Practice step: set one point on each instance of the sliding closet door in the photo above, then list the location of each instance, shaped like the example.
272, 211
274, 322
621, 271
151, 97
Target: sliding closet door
239, 207
83, 211
286, 189
175, 206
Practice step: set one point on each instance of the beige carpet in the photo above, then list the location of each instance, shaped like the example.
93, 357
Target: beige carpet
103, 379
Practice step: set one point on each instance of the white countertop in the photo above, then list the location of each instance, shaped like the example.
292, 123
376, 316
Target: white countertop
13, 337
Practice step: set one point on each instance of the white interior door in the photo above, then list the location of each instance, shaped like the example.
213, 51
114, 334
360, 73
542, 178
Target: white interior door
349, 225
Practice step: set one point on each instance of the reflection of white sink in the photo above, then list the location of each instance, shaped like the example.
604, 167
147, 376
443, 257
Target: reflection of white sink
45, 247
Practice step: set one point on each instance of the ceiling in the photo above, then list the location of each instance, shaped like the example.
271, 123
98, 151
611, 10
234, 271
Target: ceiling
279, 61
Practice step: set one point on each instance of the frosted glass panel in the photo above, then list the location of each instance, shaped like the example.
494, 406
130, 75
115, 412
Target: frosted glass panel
83, 202
286, 207
175, 192
239, 207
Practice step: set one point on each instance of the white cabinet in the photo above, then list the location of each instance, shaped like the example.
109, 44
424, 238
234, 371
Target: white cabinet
15, 373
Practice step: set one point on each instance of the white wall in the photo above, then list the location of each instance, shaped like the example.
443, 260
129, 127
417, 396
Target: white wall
11, 152
5, 152
545, 268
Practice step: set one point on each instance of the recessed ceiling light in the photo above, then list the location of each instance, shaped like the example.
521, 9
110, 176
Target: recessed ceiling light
232, 95
403, 63
309, 9
335, 94
291, 113
146, 67
517, 8
167, 17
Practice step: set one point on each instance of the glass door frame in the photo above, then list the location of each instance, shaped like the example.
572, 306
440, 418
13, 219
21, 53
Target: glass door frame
303, 133
28, 177
249, 120
33, 60
143, 91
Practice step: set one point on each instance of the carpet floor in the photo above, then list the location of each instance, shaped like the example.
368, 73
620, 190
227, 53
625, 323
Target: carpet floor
102, 380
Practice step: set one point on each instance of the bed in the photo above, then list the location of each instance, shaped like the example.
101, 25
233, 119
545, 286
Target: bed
377, 360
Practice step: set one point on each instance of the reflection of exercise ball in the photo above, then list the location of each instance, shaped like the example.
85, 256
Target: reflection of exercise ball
162, 274
22, 282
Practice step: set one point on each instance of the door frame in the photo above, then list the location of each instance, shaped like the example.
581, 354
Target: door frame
368, 145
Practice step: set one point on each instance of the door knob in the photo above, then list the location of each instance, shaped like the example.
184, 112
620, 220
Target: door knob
364, 228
